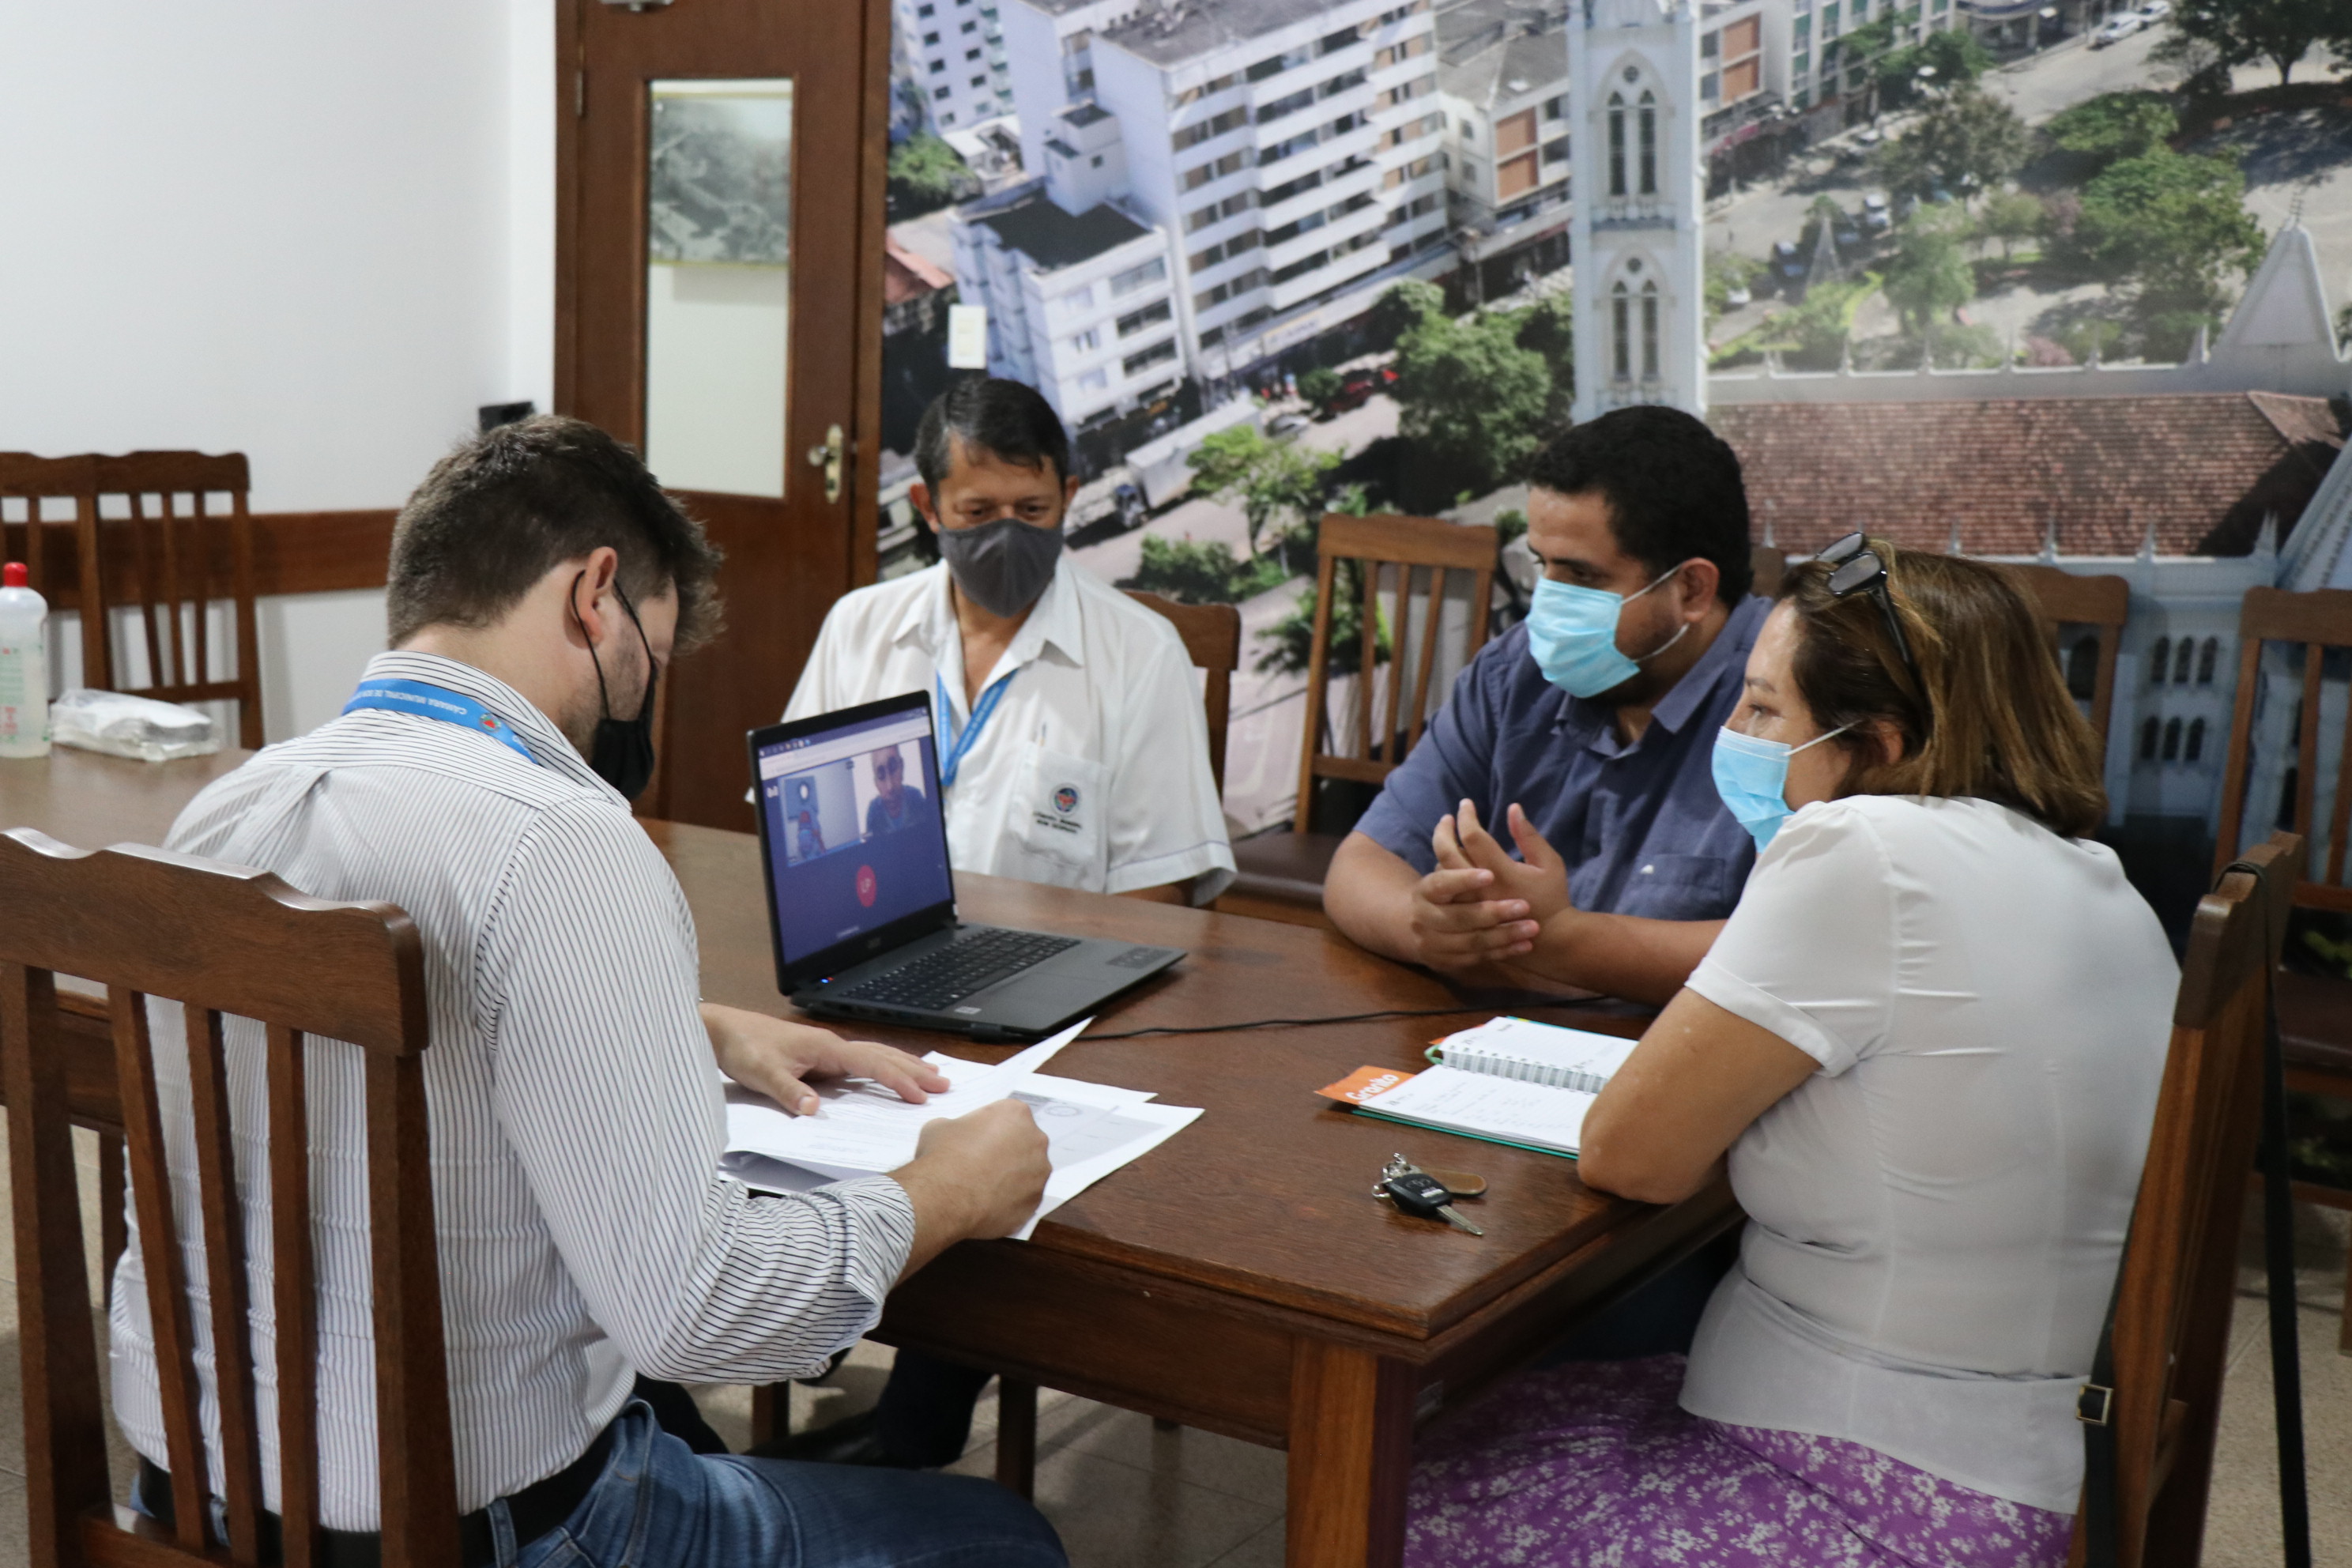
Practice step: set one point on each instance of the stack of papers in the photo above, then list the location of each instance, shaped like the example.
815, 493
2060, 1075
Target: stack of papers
861, 1129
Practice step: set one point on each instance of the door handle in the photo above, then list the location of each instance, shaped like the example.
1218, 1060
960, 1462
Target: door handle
827, 455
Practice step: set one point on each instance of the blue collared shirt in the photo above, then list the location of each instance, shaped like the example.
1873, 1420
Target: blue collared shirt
1641, 826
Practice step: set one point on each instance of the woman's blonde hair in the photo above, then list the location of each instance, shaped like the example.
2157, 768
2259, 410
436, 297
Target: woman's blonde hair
1987, 715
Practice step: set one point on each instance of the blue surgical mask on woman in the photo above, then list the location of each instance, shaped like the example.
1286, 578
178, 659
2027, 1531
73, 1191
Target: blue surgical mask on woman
1572, 633
1751, 774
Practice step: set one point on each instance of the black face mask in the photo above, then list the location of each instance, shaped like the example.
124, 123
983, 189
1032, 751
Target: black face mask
623, 751
1003, 564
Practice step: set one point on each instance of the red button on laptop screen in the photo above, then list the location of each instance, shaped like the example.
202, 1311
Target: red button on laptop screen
866, 886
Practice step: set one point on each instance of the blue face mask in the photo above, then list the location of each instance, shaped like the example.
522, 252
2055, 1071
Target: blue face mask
1752, 777
1572, 633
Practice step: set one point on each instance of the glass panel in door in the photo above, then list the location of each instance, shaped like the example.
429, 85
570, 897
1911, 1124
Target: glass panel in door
718, 283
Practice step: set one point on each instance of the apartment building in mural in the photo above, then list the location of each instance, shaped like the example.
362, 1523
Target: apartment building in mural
1502, 81
948, 64
1080, 293
1290, 153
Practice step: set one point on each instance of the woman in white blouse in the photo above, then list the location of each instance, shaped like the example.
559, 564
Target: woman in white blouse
1926, 1047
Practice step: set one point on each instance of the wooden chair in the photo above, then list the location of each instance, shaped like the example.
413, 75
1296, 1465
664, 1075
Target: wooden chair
181, 558
2315, 1011
222, 940
32, 480
1280, 875
2102, 603
2179, 1273
1212, 636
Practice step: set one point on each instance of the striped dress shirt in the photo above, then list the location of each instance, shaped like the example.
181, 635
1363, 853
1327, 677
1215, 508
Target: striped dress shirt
576, 1114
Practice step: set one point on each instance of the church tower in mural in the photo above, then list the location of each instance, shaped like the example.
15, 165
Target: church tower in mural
1638, 236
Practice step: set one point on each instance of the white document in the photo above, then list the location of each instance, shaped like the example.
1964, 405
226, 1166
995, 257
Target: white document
861, 1129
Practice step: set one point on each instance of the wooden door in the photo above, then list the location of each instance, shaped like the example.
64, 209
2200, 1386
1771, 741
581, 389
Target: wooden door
720, 168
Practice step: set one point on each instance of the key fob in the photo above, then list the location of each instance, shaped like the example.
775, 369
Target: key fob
1417, 1193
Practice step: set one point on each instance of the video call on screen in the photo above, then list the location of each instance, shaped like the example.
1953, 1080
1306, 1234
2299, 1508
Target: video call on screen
855, 837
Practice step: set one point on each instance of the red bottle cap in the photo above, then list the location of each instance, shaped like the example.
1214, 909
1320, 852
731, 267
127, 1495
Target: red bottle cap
13, 575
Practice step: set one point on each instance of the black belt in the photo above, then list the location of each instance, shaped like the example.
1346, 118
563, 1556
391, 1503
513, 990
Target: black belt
538, 1509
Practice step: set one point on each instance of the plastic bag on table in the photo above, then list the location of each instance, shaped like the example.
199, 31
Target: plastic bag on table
123, 725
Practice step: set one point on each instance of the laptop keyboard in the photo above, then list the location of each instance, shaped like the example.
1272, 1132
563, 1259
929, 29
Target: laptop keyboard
950, 973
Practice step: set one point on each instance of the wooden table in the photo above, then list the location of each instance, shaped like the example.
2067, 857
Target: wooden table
1241, 1277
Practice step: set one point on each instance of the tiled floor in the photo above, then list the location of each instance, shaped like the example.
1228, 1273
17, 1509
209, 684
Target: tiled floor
1127, 1495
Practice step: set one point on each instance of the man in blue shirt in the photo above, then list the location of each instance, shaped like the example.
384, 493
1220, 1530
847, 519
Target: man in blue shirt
1585, 735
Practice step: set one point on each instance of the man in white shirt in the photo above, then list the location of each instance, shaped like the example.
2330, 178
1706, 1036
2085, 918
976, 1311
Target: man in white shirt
1073, 748
479, 779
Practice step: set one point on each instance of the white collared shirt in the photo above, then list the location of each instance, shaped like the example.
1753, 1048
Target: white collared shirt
585, 1231
1093, 772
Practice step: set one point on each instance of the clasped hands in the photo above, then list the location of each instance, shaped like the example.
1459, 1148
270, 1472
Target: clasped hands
1482, 909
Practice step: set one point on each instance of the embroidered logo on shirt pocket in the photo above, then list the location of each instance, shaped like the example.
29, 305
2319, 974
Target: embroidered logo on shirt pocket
1057, 817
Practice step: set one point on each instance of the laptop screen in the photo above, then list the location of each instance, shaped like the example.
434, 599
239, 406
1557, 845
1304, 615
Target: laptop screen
850, 822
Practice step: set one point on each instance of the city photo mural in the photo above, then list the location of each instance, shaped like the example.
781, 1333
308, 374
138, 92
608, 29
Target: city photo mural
2054, 281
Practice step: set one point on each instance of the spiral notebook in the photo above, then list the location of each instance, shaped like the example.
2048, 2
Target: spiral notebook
1509, 1080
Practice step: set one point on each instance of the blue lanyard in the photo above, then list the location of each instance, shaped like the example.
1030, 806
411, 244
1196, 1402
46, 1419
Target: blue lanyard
962, 741
427, 701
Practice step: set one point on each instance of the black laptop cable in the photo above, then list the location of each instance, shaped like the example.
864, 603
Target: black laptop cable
1234, 1028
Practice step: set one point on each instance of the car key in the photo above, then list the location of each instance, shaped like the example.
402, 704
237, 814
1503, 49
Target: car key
1416, 1192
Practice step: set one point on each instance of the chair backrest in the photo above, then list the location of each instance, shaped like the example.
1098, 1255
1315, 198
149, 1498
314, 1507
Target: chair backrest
221, 940
2179, 1272
1353, 554
34, 480
2102, 603
2320, 620
1213, 637
1769, 566
183, 555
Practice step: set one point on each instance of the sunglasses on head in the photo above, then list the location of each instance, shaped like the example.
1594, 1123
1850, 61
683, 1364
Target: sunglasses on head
1855, 568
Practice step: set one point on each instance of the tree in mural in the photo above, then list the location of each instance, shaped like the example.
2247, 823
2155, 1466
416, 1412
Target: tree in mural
2174, 228
2010, 218
1966, 142
1928, 277
2240, 32
2112, 127
926, 173
1269, 479
1954, 58
1404, 307
1473, 400
1547, 328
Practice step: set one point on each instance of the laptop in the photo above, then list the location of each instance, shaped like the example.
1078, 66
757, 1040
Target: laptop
861, 902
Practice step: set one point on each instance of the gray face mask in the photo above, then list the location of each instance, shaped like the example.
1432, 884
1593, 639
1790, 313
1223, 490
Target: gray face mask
1002, 565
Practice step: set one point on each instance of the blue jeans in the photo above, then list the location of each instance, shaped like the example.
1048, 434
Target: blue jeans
660, 1504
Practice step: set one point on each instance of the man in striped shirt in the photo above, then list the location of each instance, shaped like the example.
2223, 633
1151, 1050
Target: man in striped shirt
537, 577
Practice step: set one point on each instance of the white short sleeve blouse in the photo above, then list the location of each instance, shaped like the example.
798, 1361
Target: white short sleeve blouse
1937, 1215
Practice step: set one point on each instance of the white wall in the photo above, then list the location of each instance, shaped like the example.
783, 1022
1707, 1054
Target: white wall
320, 234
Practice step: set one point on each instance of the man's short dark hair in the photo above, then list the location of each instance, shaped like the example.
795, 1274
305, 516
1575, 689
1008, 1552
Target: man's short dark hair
508, 506
1672, 488
1005, 419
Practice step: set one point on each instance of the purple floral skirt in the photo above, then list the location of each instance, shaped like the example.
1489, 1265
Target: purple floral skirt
1595, 1463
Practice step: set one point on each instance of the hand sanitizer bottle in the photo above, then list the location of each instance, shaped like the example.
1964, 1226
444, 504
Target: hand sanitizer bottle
23, 667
